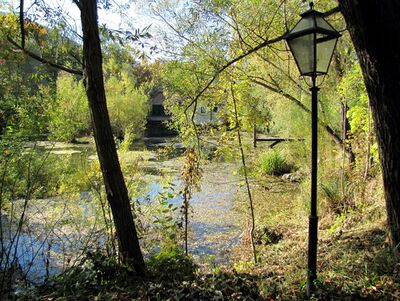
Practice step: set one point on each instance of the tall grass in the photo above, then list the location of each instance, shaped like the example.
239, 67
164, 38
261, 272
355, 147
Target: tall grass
338, 195
272, 162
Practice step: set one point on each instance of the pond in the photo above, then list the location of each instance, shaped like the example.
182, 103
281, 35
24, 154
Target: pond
52, 241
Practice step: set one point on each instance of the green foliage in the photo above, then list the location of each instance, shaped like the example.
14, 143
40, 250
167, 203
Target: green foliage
242, 266
272, 162
27, 86
165, 226
128, 106
352, 89
69, 115
25, 98
340, 221
172, 264
129, 137
125, 83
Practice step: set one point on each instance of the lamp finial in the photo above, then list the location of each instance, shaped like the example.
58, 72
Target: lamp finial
311, 4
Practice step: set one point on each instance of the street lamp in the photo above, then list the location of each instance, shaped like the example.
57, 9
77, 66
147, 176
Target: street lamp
312, 42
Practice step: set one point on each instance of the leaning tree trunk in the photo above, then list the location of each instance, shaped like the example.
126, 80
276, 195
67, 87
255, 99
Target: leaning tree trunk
116, 190
375, 31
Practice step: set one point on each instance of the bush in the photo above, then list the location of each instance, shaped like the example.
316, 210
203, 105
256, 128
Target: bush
274, 163
171, 263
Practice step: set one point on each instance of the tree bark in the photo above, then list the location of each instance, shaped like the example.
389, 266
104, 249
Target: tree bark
375, 31
117, 193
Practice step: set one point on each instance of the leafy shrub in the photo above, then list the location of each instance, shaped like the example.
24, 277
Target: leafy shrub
30, 172
172, 263
96, 275
274, 163
243, 266
129, 137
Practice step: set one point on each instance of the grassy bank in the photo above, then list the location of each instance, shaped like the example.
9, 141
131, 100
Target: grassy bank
355, 261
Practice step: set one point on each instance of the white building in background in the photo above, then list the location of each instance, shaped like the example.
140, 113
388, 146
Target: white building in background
207, 115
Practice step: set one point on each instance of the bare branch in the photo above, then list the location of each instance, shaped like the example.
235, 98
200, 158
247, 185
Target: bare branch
261, 82
246, 178
43, 60
181, 35
332, 11
281, 70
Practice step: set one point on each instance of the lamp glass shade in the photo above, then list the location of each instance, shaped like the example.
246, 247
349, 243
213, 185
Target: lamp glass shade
325, 49
312, 42
303, 51
305, 23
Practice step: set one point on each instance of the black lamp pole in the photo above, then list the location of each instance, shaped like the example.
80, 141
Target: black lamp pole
312, 42
313, 218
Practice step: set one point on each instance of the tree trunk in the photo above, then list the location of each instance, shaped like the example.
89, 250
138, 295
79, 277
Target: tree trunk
117, 194
375, 31
346, 128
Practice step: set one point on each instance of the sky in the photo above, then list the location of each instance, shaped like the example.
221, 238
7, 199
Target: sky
118, 17
135, 12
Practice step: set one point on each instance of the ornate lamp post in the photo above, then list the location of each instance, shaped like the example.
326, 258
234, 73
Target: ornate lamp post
312, 42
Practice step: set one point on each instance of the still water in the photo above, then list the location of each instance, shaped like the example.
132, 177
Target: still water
58, 231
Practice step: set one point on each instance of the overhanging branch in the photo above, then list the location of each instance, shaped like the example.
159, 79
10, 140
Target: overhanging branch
43, 60
250, 51
332, 11
230, 63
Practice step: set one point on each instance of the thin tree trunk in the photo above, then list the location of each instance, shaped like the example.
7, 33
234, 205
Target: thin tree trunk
344, 138
117, 194
347, 148
186, 213
253, 223
374, 29
368, 151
